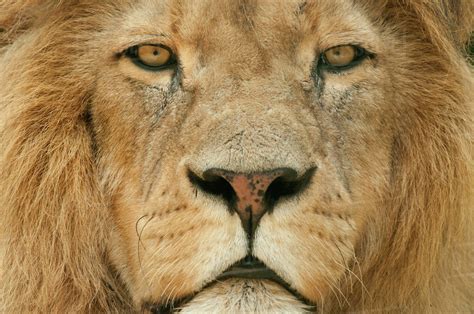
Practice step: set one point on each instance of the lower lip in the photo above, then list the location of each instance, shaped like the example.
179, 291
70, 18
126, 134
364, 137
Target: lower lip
261, 272
256, 272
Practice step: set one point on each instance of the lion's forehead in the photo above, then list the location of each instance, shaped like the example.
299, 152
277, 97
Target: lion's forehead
255, 33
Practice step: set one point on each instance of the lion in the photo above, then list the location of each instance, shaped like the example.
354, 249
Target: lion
236, 156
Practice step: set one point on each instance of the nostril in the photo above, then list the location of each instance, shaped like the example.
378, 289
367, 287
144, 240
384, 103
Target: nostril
288, 185
219, 182
214, 184
251, 194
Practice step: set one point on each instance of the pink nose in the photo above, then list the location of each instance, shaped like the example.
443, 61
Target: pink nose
252, 192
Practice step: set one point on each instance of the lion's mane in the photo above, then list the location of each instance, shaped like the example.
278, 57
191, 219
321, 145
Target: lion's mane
54, 214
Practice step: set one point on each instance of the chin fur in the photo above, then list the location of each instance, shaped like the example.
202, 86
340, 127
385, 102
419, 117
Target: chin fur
245, 296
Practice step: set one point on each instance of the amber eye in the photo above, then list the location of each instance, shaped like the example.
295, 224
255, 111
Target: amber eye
342, 56
151, 57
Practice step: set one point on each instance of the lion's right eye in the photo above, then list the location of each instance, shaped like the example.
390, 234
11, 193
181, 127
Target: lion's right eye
343, 57
340, 56
151, 57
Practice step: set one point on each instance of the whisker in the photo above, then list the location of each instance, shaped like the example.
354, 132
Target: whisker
136, 225
141, 231
139, 235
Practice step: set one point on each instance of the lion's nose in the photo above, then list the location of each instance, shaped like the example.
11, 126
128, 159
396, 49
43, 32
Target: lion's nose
252, 195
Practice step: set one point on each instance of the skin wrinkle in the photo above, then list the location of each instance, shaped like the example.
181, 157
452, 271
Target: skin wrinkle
153, 174
342, 168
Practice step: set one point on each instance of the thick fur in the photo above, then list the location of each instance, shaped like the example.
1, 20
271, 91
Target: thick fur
69, 211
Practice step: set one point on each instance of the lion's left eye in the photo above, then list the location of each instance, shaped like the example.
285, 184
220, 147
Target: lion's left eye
151, 57
342, 57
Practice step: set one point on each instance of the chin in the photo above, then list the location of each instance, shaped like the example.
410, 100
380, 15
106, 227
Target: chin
248, 286
242, 296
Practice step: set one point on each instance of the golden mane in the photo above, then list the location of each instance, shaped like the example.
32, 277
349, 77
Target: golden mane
54, 214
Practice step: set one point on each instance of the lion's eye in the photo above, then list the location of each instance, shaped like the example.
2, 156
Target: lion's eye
342, 57
151, 57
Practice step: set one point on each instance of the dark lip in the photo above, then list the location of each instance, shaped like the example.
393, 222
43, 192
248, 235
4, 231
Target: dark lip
248, 268
252, 268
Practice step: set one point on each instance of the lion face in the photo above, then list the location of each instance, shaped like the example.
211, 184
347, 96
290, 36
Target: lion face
235, 156
253, 100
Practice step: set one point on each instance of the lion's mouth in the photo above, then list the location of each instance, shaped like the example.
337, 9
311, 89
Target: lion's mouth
247, 268
252, 268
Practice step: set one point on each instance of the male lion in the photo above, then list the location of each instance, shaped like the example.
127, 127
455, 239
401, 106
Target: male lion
236, 156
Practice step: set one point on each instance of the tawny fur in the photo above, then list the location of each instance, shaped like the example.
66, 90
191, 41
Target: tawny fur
416, 257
